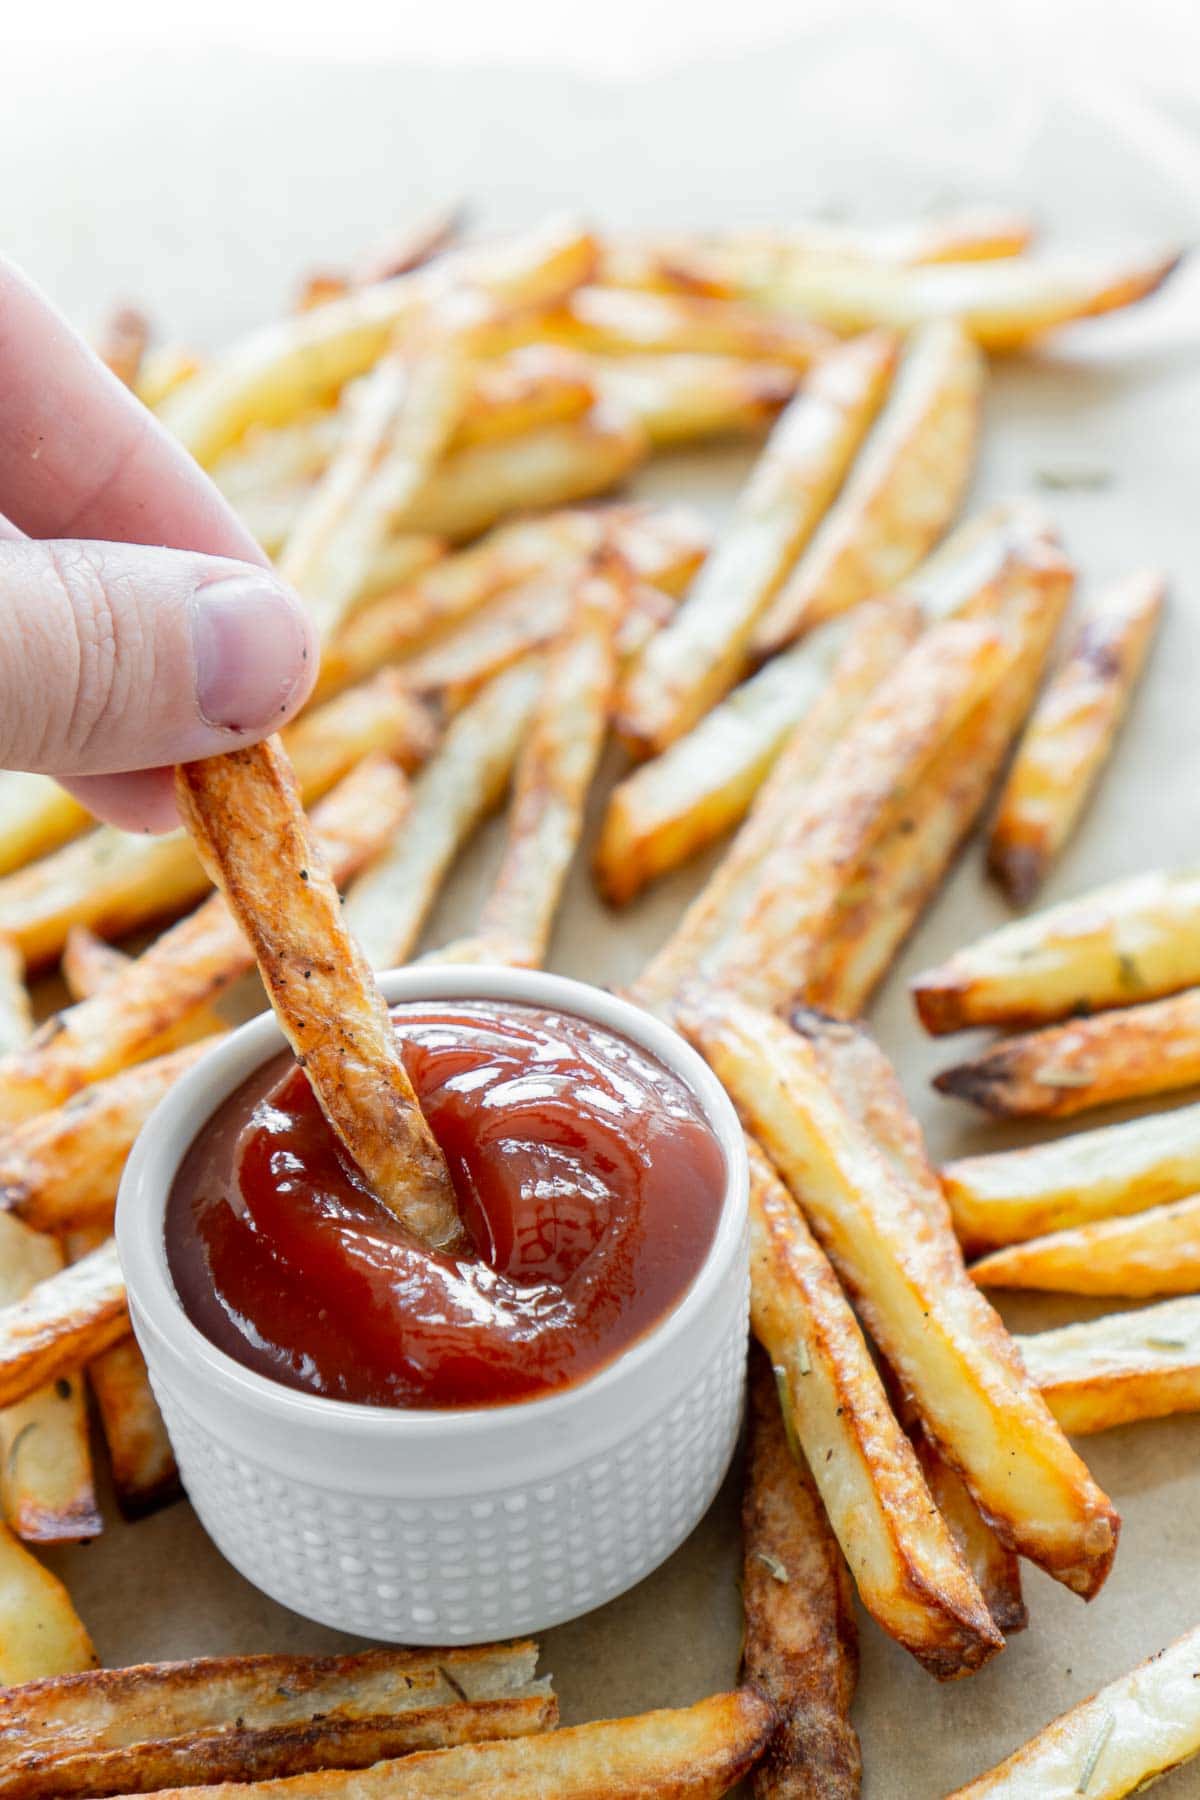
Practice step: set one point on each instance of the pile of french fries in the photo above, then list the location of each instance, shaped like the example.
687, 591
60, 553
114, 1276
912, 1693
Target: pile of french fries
835, 682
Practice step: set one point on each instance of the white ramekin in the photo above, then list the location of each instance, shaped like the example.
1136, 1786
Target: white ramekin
447, 1527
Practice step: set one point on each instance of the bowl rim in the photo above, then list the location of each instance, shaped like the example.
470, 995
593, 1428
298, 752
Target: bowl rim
175, 1122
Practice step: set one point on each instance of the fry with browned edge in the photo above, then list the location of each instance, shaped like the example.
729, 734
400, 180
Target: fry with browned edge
40, 1631
1138, 1258
61, 1322
1121, 1367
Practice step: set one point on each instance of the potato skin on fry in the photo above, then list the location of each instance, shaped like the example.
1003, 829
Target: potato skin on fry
801, 1642
62, 1322
1138, 1258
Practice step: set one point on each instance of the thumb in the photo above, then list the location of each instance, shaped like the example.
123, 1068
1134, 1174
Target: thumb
117, 657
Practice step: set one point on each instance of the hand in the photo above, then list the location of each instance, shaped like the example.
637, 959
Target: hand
118, 660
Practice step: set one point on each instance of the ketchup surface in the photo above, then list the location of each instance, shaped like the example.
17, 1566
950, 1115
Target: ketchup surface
587, 1178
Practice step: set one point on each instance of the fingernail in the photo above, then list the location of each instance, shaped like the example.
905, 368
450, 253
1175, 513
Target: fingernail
250, 642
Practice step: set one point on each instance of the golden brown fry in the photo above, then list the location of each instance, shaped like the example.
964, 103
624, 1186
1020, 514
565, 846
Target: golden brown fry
625, 322
878, 637
692, 1753
703, 783
16, 1012
971, 566
45, 1457
904, 1271
1121, 1367
1068, 1069
1114, 1744
285, 369
1072, 735
244, 811
62, 1169
36, 816
242, 1718
1131, 941
88, 964
124, 342
465, 780
541, 384
1108, 1173
801, 1639
555, 768
909, 1574
1003, 304
129, 1020
40, 1632
61, 1322
996, 1569
1139, 1258
692, 399
901, 494
703, 652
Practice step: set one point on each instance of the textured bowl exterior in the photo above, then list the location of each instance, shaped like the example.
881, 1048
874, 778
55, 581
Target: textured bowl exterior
444, 1528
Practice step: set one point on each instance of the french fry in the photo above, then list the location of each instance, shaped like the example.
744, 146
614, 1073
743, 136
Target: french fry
164, 370
45, 1459
124, 342
464, 780
1003, 303
1119, 1368
1114, 1744
899, 497
554, 770
900, 877
908, 1572
1131, 941
62, 1169
1153, 1253
131, 1018
690, 665
801, 1640
542, 384
36, 816
244, 811
1071, 735
16, 1011
996, 1569
401, 418
703, 783
118, 881
625, 322
1068, 1069
878, 637
61, 1322
411, 248
699, 1751
88, 964
1108, 1173
903, 1269
243, 1718
692, 399
40, 1632
287, 368
979, 556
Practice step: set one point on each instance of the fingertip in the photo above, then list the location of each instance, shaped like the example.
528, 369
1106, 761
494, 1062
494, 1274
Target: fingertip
254, 649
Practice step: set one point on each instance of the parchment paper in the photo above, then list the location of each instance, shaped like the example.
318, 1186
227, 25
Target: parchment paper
203, 185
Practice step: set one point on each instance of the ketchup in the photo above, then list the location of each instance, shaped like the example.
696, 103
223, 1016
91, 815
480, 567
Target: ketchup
587, 1178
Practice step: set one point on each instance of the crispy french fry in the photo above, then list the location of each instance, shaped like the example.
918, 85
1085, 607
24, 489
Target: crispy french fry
701, 655
698, 1751
1068, 1069
1072, 735
801, 1641
703, 783
1121, 1367
88, 964
1002, 303
964, 572
244, 811
118, 881
691, 399
36, 816
45, 1458
996, 1569
901, 494
62, 1169
129, 1020
904, 1271
243, 1718
124, 342
16, 1011
541, 384
1131, 941
900, 877
40, 1632
1114, 1744
909, 1574
61, 1322
878, 637
401, 418
287, 368
1153, 1253
554, 770
464, 781
1108, 1173
625, 322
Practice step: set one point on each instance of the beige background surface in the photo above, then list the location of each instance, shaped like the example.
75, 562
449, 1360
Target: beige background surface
202, 185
